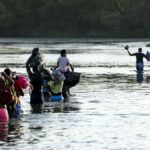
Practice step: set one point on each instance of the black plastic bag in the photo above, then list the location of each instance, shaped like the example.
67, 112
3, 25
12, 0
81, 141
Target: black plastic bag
72, 78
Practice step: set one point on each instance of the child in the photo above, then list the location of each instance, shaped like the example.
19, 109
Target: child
63, 63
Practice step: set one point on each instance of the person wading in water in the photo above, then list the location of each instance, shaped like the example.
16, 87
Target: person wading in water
139, 58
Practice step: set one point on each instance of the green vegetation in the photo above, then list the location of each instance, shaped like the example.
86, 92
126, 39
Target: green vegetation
75, 18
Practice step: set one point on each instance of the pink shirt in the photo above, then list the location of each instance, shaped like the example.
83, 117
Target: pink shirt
63, 63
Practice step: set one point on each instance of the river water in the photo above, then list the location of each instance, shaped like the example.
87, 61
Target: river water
108, 110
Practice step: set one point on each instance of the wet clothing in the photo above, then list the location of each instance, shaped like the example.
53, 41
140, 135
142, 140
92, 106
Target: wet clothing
36, 81
139, 57
139, 66
139, 61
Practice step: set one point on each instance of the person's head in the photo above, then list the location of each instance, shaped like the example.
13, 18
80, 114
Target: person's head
8, 71
140, 50
35, 51
63, 53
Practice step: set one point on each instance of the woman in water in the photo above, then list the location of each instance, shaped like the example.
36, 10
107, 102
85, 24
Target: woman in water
6, 97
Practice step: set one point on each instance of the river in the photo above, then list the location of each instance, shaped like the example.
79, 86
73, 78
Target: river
108, 110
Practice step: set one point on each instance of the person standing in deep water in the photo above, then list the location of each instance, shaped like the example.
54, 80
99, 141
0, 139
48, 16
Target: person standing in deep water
139, 58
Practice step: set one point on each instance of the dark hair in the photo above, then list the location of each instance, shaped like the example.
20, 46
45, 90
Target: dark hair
140, 50
7, 71
63, 52
35, 50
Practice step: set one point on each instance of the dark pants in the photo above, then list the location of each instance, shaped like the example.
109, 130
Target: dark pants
36, 97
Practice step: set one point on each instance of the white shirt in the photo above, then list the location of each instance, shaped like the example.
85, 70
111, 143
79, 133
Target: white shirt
63, 63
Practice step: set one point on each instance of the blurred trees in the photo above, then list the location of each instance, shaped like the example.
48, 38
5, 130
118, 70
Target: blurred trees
75, 18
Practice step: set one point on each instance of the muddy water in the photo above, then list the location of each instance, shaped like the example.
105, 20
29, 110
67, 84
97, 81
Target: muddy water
109, 109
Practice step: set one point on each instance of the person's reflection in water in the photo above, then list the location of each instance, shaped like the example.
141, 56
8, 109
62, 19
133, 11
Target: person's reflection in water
14, 130
36, 108
139, 76
54, 107
61, 107
58, 109
3, 131
10, 131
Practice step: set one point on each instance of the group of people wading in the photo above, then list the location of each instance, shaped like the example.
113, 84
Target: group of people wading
45, 84
11, 88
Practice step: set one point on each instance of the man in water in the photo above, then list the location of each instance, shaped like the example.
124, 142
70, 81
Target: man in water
139, 58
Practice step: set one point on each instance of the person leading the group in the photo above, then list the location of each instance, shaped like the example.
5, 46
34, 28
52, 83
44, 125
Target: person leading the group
139, 58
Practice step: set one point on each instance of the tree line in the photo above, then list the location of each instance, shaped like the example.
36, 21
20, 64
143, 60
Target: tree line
75, 18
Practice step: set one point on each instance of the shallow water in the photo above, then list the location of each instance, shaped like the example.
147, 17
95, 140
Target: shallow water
108, 110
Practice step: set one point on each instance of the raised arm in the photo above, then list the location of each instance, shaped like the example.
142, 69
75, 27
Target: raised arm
10, 80
130, 53
127, 48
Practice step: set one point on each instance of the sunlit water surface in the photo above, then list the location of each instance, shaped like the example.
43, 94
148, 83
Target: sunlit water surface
108, 110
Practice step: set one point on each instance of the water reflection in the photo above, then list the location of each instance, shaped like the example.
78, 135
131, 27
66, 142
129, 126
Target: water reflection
36, 108
14, 131
61, 107
108, 87
139, 76
55, 107
148, 79
10, 131
3, 131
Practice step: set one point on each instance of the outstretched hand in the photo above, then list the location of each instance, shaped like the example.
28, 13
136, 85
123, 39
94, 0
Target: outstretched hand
126, 47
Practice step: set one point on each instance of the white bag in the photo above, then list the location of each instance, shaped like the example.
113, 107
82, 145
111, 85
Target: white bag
58, 75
